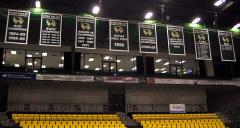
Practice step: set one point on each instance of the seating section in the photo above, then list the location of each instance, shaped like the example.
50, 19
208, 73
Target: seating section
178, 120
67, 120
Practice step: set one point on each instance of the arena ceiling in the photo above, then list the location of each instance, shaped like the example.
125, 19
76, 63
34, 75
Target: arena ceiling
167, 11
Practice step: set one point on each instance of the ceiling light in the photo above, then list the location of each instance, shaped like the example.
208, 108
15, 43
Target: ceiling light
28, 55
30, 64
37, 4
118, 61
86, 66
219, 2
91, 59
104, 65
164, 72
196, 20
166, 63
236, 26
16, 65
163, 69
35, 71
134, 68
112, 67
96, 9
106, 57
44, 66
120, 70
37, 53
97, 69
35, 62
133, 59
178, 70
62, 58
183, 61
185, 73
60, 65
158, 60
3, 62
148, 15
44, 54
13, 52
157, 70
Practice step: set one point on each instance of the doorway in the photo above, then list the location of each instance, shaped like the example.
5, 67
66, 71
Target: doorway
176, 70
33, 64
109, 66
116, 99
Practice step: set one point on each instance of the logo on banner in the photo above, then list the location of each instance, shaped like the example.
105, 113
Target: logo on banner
118, 29
175, 35
147, 32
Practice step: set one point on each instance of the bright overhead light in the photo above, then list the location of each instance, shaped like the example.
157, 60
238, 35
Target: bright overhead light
134, 68
236, 26
196, 20
30, 64
60, 65
37, 53
44, 54
118, 61
106, 57
158, 60
166, 63
120, 70
35, 71
111, 67
37, 4
219, 2
157, 70
62, 58
3, 62
163, 69
183, 61
86, 66
96, 9
28, 55
16, 65
13, 52
164, 72
104, 65
44, 66
133, 59
91, 59
148, 15
97, 69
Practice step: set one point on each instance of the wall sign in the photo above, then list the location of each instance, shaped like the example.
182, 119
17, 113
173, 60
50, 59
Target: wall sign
226, 46
51, 29
147, 38
177, 108
17, 27
118, 35
85, 32
202, 44
176, 45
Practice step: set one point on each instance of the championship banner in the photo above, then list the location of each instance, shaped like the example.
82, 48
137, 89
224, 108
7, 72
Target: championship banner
85, 32
176, 45
202, 44
147, 38
226, 46
118, 32
17, 27
51, 29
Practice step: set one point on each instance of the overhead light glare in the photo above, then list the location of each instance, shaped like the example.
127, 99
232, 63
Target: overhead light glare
91, 59
166, 63
148, 15
86, 66
44, 54
236, 26
158, 60
196, 20
13, 52
37, 4
96, 10
219, 2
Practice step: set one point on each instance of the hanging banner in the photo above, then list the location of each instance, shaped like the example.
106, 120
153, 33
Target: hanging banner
176, 45
202, 44
118, 32
17, 27
51, 29
147, 38
226, 46
85, 32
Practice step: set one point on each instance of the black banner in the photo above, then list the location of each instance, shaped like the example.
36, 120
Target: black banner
118, 32
85, 32
176, 45
17, 27
202, 44
147, 38
226, 46
51, 29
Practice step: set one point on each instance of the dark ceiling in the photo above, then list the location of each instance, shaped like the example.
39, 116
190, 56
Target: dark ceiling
175, 11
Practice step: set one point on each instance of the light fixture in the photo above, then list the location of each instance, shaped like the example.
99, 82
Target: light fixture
133, 59
37, 53
104, 65
97, 69
62, 58
134, 68
106, 57
44, 54
166, 63
30, 64
35, 71
219, 2
37, 4
196, 20
118, 61
111, 67
157, 70
44, 66
28, 55
236, 26
148, 15
86, 66
120, 70
183, 61
16, 65
178, 70
163, 69
158, 60
60, 65
96, 9
164, 72
3, 62
91, 59
13, 52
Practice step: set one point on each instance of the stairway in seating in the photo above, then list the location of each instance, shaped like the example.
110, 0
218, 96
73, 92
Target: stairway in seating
4, 121
126, 120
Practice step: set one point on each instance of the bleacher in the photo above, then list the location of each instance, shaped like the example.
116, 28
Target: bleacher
179, 120
67, 120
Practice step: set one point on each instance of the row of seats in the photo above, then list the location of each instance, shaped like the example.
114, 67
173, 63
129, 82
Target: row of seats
179, 120
68, 120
